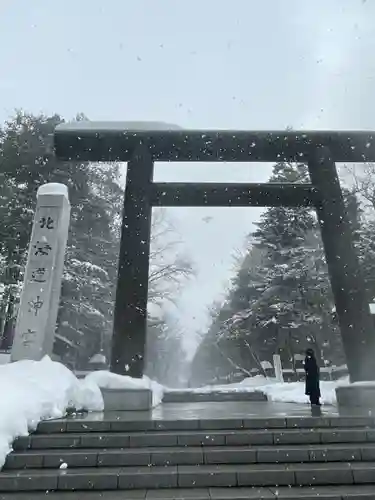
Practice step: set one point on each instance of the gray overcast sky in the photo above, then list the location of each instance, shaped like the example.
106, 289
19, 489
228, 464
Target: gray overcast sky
247, 64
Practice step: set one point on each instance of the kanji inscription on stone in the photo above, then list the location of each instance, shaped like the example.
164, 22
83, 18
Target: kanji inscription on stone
39, 303
41, 248
46, 223
28, 337
35, 305
39, 275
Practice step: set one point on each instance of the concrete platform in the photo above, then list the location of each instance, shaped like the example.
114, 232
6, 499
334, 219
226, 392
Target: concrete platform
222, 410
360, 397
231, 409
127, 399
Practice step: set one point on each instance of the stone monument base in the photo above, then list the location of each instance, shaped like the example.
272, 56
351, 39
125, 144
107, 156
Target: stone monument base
127, 399
356, 397
177, 396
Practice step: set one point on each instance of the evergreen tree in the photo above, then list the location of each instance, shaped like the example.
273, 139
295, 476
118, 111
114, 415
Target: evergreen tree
225, 354
281, 300
363, 226
89, 281
361, 209
294, 310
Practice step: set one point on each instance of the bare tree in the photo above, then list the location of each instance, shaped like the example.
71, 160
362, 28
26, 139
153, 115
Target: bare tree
363, 182
170, 268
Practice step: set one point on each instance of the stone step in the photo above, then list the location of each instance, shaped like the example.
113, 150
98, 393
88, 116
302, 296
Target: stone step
120, 423
354, 492
215, 437
214, 396
214, 455
189, 476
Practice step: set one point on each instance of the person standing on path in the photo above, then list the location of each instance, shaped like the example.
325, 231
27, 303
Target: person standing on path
312, 378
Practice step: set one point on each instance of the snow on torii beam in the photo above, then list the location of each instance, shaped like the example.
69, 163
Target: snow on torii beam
142, 143
116, 141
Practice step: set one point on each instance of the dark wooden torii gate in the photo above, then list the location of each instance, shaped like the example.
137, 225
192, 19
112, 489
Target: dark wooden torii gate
90, 141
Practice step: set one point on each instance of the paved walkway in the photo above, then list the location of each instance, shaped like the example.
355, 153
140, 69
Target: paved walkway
226, 409
235, 409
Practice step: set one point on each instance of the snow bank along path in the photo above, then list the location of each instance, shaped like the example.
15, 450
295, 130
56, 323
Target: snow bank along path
33, 391
288, 392
39, 390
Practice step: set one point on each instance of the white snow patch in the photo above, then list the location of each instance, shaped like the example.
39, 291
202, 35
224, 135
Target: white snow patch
249, 384
98, 358
53, 188
294, 392
121, 126
364, 383
282, 392
110, 380
39, 390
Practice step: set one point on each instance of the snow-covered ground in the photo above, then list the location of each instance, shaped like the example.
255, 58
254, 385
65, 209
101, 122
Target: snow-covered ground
291, 392
32, 391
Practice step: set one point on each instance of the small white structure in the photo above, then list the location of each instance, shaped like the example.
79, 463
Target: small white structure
36, 320
266, 365
278, 368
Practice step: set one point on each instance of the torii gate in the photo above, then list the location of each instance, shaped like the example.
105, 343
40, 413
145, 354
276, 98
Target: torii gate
91, 141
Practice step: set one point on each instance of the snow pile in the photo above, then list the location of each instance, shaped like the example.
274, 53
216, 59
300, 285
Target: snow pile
288, 392
291, 392
364, 383
294, 392
39, 390
249, 384
53, 188
110, 380
121, 126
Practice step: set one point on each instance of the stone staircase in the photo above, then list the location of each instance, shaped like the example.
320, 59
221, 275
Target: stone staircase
119, 458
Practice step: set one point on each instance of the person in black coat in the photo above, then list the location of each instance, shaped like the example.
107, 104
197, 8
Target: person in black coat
312, 378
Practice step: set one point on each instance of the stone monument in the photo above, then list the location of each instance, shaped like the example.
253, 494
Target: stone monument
36, 321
